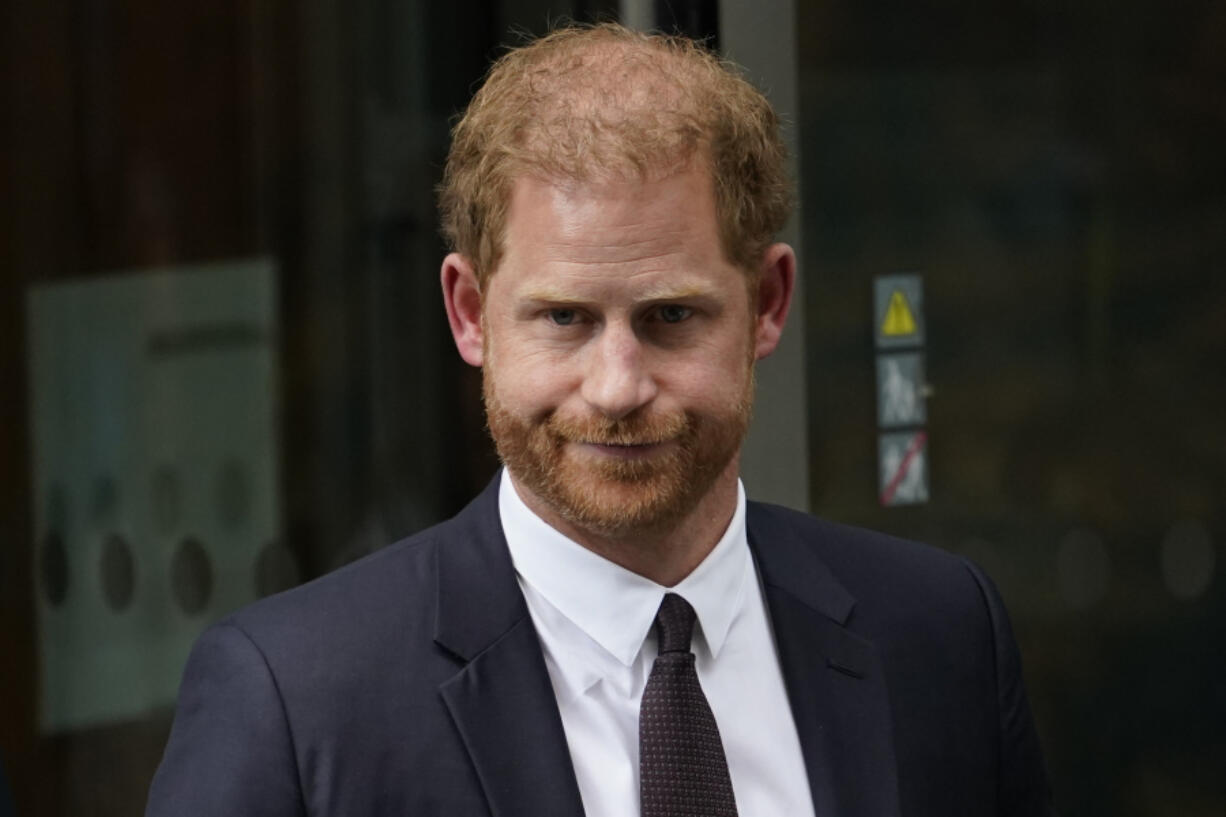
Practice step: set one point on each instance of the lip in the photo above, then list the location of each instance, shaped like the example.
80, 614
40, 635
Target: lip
625, 452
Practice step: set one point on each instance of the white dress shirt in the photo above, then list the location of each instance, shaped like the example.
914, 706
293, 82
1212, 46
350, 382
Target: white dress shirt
594, 620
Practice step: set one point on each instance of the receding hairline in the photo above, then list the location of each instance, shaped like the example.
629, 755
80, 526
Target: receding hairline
592, 103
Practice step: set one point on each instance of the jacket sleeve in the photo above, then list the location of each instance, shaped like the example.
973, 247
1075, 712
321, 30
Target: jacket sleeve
231, 750
1024, 788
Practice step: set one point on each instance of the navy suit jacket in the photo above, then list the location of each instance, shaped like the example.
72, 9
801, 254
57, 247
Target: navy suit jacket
412, 682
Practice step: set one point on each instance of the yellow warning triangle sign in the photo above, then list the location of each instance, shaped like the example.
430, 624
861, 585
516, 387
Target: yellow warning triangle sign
898, 318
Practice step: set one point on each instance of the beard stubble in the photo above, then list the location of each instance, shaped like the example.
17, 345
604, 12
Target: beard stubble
620, 497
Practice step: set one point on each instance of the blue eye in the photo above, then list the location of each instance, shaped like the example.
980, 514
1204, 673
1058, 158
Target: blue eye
562, 317
674, 313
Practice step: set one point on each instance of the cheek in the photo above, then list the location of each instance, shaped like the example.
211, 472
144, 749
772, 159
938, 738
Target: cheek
528, 384
517, 364
711, 382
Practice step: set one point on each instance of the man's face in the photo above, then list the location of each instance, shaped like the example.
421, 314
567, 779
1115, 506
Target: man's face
618, 351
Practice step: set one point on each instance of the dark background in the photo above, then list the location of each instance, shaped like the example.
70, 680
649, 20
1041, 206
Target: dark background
1055, 171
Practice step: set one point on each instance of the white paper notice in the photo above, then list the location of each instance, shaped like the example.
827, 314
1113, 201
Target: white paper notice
153, 407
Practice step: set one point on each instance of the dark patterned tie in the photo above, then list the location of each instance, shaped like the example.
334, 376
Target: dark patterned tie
682, 768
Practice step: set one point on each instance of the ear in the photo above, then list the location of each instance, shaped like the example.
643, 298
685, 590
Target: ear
462, 297
776, 282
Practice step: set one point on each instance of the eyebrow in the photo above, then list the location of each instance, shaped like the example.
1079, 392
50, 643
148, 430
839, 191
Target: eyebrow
656, 294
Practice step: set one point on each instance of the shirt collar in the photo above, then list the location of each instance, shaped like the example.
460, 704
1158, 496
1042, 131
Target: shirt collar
611, 605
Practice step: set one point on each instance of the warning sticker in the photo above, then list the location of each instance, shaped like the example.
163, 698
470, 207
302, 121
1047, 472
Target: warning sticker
898, 316
903, 468
900, 390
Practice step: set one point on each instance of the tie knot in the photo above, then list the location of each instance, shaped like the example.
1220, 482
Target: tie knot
675, 624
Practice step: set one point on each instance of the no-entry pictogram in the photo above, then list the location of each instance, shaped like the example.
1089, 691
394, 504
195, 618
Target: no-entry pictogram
903, 468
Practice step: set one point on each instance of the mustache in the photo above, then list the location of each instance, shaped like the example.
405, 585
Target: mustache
631, 430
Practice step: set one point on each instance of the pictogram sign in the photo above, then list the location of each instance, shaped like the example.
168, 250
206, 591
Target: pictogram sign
900, 390
903, 468
898, 311
898, 318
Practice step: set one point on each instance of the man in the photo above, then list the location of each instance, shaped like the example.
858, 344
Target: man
610, 628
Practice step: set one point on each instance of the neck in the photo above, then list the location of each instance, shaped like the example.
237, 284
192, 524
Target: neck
666, 555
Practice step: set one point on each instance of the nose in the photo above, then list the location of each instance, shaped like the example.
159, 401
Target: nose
617, 380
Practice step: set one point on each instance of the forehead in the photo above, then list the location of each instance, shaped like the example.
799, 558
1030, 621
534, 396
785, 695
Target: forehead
621, 227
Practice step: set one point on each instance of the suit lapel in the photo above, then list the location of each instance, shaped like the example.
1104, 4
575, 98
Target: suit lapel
503, 703
502, 700
835, 679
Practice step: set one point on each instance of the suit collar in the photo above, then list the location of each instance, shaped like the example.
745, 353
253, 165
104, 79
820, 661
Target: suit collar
501, 700
478, 599
835, 678
790, 564
503, 703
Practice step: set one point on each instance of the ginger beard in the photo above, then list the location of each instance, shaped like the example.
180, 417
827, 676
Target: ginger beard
612, 496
